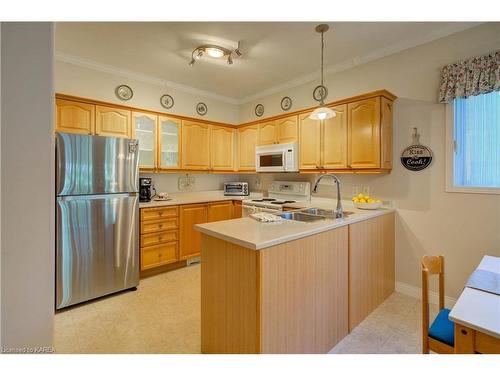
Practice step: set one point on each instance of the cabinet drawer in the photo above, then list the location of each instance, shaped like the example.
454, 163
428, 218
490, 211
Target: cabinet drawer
159, 237
159, 213
155, 256
159, 225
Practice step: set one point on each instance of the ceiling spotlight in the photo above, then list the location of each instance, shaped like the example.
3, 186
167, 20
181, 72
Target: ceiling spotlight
214, 52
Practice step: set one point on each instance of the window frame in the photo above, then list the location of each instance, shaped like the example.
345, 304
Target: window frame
450, 150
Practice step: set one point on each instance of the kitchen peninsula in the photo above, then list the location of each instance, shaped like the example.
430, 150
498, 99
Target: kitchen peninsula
292, 286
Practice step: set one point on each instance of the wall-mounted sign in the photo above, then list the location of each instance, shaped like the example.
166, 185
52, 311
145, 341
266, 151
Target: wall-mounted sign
416, 156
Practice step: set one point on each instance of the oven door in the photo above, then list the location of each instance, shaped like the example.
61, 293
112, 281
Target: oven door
247, 210
271, 161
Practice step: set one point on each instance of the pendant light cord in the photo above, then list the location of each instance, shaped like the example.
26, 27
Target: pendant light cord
322, 48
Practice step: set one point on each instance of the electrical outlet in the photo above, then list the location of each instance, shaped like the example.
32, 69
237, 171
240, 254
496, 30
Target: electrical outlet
366, 190
355, 190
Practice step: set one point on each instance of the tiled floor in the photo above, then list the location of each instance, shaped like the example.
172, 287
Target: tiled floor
163, 316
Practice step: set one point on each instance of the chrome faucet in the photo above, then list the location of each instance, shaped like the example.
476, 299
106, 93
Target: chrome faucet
339, 213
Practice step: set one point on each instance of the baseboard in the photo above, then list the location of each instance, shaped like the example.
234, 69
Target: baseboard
416, 292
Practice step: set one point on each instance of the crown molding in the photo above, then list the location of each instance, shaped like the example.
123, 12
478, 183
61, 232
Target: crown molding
89, 64
362, 59
419, 39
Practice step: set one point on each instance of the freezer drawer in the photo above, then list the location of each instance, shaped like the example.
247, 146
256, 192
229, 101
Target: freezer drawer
97, 246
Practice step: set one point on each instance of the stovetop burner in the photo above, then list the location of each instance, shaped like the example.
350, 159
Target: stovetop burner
282, 202
264, 200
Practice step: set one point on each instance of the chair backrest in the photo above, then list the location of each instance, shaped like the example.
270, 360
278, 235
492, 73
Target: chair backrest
431, 265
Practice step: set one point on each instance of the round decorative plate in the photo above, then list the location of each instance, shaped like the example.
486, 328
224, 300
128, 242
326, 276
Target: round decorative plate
286, 103
320, 93
259, 110
201, 109
124, 92
167, 101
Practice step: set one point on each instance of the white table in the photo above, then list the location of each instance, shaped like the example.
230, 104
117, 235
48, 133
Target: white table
477, 316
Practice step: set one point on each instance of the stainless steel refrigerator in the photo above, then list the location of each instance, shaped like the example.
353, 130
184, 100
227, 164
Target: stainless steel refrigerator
97, 251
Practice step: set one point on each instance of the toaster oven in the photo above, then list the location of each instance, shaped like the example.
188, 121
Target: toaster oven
236, 188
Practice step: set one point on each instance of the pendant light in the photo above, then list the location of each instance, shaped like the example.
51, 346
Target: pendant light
321, 92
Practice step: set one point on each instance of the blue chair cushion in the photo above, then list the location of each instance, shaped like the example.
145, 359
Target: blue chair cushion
443, 329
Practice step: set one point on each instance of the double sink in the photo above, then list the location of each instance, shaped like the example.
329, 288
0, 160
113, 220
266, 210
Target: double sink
311, 214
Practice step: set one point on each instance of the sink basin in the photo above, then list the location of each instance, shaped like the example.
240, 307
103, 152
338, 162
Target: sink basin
300, 216
323, 212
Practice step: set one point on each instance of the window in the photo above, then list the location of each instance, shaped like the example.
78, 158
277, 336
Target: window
476, 144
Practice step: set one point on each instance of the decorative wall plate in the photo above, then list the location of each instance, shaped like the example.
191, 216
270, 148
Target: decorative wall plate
201, 109
320, 93
167, 101
259, 110
286, 103
124, 92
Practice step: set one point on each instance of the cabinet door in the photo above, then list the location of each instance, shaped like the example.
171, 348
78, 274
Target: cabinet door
334, 134
219, 211
113, 122
287, 129
169, 140
74, 117
247, 141
386, 133
268, 133
222, 148
309, 142
190, 239
237, 210
195, 145
144, 126
364, 133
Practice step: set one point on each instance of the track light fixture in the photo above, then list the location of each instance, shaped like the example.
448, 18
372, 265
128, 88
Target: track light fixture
215, 52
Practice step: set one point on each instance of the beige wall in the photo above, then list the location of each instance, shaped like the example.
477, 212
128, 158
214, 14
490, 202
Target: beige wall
91, 83
27, 195
462, 227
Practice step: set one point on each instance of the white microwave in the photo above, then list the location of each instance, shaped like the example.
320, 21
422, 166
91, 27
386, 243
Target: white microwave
282, 157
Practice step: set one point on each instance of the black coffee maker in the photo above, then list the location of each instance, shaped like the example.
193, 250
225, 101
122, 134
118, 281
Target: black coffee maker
144, 189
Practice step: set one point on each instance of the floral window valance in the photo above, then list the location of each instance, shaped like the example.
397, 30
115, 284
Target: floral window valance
479, 75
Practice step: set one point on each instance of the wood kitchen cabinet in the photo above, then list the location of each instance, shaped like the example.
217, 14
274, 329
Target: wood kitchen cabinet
159, 240
219, 211
169, 143
75, 117
371, 266
364, 133
248, 138
287, 129
237, 210
323, 144
190, 239
268, 133
195, 145
113, 122
386, 132
221, 148
144, 127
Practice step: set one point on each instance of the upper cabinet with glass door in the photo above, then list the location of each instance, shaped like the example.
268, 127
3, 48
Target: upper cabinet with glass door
144, 126
169, 130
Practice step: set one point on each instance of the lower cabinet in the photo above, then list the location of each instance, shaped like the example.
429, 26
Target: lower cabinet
220, 211
237, 209
190, 239
371, 266
159, 241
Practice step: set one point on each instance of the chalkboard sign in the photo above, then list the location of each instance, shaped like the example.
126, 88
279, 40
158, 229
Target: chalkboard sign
416, 156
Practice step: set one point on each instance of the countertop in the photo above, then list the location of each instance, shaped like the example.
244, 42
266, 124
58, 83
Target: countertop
196, 197
255, 235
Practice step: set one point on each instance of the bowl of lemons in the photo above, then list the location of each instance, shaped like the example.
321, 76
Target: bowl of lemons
365, 202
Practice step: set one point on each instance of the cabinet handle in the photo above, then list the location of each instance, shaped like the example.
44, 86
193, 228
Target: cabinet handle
161, 225
160, 213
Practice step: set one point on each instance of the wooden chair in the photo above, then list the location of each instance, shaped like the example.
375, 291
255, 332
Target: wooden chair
440, 336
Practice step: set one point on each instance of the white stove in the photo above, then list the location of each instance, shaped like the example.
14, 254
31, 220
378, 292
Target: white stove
279, 194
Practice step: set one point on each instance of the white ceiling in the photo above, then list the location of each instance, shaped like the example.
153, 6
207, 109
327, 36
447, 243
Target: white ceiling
275, 54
